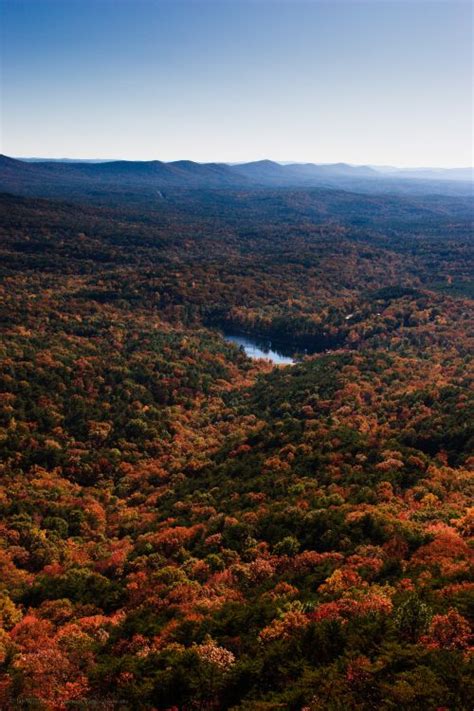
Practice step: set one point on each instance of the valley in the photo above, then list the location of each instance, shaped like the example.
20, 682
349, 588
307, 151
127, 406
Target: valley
185, 526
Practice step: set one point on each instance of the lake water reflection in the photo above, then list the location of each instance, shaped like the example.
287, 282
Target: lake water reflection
260, 348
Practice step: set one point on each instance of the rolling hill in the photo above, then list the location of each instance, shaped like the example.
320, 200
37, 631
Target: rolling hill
143, 179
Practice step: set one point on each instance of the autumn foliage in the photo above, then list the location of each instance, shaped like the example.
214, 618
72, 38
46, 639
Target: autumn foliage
184, 528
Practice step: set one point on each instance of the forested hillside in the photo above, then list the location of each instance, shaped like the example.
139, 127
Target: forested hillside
184, 528
145, 181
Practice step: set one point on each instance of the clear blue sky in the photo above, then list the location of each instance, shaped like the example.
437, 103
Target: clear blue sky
376, 81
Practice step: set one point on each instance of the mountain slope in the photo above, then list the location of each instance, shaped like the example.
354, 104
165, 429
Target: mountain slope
143, 179
116, 176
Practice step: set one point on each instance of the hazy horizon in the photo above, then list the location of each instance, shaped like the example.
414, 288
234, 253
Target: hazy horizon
362, 82
92, 159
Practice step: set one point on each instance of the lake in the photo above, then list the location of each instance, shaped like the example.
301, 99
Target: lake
261, 348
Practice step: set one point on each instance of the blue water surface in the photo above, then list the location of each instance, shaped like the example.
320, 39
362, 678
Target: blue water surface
260, 349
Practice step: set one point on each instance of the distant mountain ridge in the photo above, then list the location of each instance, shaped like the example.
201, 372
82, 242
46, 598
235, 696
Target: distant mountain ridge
367, 170
50, 178
428, 173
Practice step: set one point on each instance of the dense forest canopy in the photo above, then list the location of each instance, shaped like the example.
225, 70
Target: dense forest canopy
184, 528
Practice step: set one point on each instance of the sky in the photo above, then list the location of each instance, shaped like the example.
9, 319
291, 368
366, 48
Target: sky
361, 81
